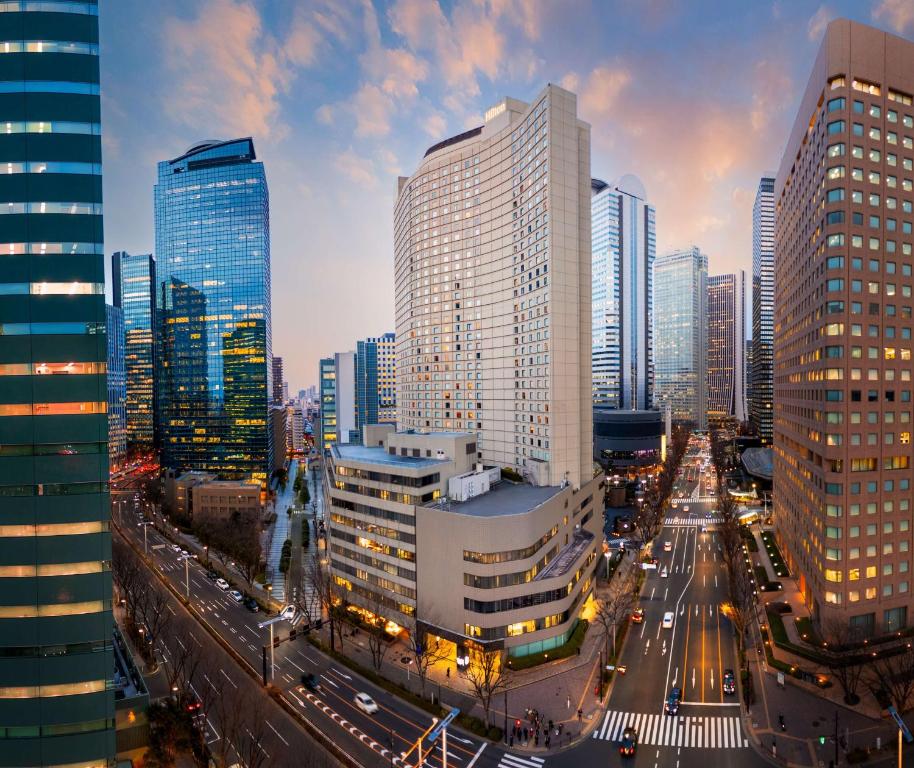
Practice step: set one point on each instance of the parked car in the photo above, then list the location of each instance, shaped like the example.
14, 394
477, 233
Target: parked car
222, 584
212, 575
672, 701
236, 596
729, 681
367, 704
176, 548
251, 604
311, 682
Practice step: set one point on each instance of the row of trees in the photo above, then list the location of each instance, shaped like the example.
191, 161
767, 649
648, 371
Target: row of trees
649, 518
235, 539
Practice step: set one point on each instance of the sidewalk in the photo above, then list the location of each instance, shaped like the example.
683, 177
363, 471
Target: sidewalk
809, 711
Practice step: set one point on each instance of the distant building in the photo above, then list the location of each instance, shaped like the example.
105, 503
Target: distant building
625, 440
681, 334
623, 249
296, 433
133, 289
278, 381
227, 500
117, 388
387, 377
213, 372
278, 433
375, 382
760, 406
726, 364
338, 399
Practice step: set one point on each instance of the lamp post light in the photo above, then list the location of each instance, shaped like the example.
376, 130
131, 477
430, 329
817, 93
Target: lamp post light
606, 557
145, 525
186, 558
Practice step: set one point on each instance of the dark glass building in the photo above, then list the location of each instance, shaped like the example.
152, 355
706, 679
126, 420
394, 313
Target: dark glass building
212, 311
117, 388
133, 277
56, 660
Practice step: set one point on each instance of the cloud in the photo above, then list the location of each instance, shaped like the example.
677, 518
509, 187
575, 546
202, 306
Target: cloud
898, 14
228, 73
435, 125
772, 81
372, 110
356, 168
818, 22
324, 114
600, 92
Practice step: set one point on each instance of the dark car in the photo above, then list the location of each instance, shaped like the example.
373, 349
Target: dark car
629, 744
212, 575
729, 681
772, 586
251, 604
672, 701
311, 682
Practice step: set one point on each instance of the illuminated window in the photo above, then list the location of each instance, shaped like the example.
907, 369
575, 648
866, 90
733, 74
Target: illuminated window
52, 691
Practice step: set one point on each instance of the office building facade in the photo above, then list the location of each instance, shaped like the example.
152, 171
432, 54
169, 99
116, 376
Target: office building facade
213, 358
133, 281
366, 385
843, 324
726, 361
387, 377
484, 229
278, 381
681, 334
56, 645
760, 407
623, 247
117, 388
327, 393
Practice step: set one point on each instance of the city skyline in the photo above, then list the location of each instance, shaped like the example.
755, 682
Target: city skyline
366, 114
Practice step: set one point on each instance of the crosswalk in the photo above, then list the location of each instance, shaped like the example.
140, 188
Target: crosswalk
713, 520
696, 500
515, 761
709, 732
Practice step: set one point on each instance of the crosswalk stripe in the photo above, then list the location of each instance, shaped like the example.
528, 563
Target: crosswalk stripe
608, 725
662, 730
514, 761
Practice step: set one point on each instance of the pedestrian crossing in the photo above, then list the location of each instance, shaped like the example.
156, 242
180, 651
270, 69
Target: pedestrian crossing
709, 732
696, 500
515, 761
713, 520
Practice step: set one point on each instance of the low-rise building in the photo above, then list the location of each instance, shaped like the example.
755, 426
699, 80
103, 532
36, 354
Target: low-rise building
179, 491
421, 534
227, 500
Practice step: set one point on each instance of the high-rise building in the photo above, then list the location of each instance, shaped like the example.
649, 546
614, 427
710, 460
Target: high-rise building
339, 423
117, 387
623, 246
762, 308
366, 385
681, 334
842, 333
492, 263
56, 657
492, 253
387, 377
133, 281
213, 359
278, 381
726, 358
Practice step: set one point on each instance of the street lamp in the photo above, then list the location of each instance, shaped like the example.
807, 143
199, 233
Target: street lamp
145, 525
185, 558
606, 556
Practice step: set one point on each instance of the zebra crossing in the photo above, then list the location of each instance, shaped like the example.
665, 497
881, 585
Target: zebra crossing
709, 732
713, 520
515, 761
696, 500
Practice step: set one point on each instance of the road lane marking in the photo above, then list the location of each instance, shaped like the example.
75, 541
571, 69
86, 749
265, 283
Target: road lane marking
478, 753
276, 732
227, 677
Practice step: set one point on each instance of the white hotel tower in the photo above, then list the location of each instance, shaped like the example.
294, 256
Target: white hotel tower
493, 289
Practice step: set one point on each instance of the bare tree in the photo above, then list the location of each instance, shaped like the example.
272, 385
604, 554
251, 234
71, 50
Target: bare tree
841, 658
154, 613
378, 641
613, 609
895, 675
424, 650
186, 660
487, 675
741, 607
324, 591
242, 719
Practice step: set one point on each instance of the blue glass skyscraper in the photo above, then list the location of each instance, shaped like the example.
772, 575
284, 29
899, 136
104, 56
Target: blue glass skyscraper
212, 307
56, 653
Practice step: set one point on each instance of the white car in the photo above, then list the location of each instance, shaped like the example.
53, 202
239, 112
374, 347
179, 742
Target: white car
288, 613
236, 595
222, 584
668, 546
367, 704
668, 620
685, 508
176, 548
664, 572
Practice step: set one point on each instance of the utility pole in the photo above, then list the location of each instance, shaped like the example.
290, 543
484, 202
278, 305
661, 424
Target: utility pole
506, 716
836, 738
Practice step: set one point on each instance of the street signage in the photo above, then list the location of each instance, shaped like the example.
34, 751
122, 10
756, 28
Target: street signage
442, 724
901, 725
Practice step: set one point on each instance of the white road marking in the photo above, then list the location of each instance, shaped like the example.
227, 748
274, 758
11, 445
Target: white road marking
276, 732
478, 753
227, 677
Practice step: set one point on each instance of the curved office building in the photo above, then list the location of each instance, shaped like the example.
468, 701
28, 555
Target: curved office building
56, 661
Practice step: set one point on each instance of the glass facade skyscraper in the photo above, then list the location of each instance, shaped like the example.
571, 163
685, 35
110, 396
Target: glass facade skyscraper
56, 660
212, 311
623, 246
133, 278
727, 347
366, 384
327, 386
681, 334
760, 407
117, 388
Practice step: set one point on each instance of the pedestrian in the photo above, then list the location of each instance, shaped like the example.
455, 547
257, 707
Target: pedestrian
526, 738
580, 714
536, 738
551, 724
547, 741
447, 672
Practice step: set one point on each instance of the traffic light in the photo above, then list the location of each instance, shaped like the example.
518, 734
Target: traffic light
821, 740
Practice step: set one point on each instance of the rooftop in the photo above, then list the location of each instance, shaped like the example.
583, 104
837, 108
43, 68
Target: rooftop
758, 462
372, 455
505, 498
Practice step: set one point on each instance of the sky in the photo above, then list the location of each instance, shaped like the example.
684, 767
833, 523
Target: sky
341, 96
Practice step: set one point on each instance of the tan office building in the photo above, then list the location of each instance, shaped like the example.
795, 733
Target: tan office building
844, 200
493, 290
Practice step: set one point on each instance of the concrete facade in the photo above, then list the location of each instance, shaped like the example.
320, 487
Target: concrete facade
842, 332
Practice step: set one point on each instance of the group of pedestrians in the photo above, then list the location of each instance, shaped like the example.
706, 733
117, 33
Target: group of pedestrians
536, 729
